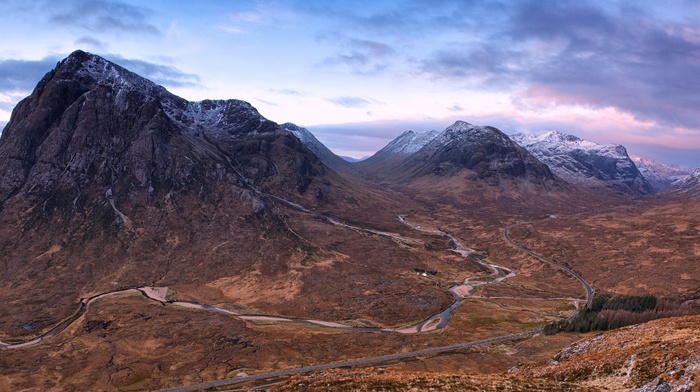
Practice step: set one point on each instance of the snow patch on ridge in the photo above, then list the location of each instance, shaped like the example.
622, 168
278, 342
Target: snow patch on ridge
585, 162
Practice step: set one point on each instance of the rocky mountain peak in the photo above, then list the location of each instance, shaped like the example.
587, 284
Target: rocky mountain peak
90, 70
659, 175
410, 142
586, 163
689, 185
486, 152
91, 125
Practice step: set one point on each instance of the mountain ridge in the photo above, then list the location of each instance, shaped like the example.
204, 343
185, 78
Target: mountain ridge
486, 153
586, 163
659, 175
328, 157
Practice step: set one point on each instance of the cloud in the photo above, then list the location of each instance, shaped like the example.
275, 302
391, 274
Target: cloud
287, 91
261, 15
349, 102
455, 108
23, 75
102, 16
361, 56
267, 102
563, 54
642, 68
91, 43
162, 74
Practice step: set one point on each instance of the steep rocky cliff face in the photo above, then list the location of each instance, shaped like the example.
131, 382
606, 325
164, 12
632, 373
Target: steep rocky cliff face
586, 163
93, 132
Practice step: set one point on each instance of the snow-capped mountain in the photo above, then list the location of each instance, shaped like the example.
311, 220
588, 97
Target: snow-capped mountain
322, 152
409, 142
660, 176
91, 124
405, 144
690, 185
485, 152
586, 163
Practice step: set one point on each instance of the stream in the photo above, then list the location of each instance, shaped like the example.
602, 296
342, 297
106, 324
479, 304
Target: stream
435, 322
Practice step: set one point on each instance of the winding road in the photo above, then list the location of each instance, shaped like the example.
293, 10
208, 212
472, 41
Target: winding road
589, 290
437, 321
411, 354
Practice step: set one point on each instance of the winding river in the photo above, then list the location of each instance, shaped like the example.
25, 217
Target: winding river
435, 322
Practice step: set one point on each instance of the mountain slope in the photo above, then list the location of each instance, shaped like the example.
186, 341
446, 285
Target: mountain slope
688, 186
583, 162
396, 151
321, 151
661, 355
108, 181
485, 152
660, 176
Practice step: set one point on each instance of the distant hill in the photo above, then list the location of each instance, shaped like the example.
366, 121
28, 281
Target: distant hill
660, 176
353, 160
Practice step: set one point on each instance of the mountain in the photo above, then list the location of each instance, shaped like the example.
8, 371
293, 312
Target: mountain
586, 163
91, 125
398, 149
319, 149
109, 181
689, 185
660, 176
353, 160
485, 153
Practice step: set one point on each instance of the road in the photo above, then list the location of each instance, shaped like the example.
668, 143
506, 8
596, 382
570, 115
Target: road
354, 362
411, 354
147, 292
589, 290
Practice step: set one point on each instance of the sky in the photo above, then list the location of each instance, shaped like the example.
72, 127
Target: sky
359, 73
